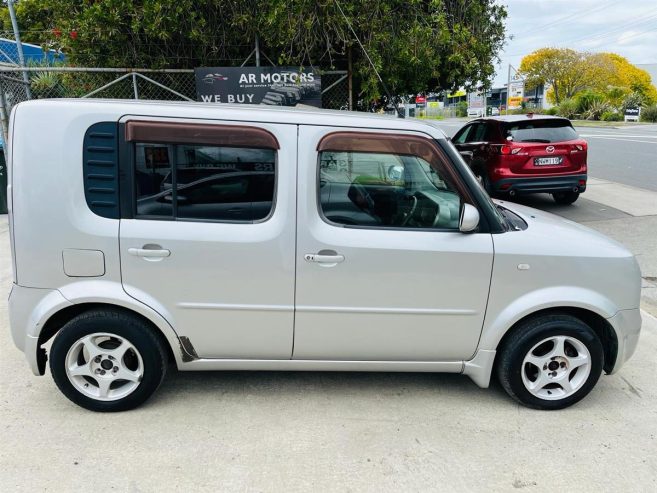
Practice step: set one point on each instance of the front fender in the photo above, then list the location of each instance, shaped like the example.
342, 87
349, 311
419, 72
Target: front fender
498, 322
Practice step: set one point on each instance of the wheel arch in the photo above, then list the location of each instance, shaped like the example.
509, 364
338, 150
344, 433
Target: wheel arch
597, 322
174, 346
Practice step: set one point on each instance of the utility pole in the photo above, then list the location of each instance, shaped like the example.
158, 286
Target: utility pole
19, 46
350, 79
508, 88
257, 50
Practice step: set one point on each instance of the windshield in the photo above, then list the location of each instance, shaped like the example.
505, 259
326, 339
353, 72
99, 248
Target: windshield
545, 131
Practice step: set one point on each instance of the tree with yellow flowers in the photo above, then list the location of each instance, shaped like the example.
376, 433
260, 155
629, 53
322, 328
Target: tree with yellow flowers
569, 72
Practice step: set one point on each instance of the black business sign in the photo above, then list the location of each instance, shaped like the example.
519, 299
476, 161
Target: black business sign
632, 112
279, 86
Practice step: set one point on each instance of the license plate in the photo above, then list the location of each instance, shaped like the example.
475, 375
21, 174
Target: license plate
547, 161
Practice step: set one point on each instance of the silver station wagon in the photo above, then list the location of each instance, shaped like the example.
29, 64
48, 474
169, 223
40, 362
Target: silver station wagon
251, 238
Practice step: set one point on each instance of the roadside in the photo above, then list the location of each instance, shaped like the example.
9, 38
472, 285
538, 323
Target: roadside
603, 124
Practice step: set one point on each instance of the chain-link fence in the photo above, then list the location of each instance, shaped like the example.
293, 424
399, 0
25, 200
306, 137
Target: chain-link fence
116, 83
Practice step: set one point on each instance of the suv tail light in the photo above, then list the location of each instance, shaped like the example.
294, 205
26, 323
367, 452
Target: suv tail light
507, 149
578, 147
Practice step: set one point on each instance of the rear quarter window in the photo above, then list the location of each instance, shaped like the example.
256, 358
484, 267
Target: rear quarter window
539, 131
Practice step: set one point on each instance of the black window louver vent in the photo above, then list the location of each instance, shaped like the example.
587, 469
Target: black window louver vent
101, 169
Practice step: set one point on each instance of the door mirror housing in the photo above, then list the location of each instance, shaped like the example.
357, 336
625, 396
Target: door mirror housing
467, 156
469, 218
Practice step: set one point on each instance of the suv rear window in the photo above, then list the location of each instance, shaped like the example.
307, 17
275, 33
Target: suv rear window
539, 131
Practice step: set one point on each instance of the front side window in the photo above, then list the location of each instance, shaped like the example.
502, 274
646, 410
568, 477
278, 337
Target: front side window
386, 190
462, 136
203, 182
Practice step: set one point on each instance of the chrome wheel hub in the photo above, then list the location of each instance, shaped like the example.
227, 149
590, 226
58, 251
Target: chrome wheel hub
104, 366
556, 367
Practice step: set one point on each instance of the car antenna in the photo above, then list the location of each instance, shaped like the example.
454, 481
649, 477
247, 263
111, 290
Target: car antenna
400, 114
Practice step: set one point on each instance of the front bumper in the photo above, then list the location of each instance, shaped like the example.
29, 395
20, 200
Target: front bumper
543, 184
627, 324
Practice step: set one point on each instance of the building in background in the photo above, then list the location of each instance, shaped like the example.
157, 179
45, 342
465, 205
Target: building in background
34, 54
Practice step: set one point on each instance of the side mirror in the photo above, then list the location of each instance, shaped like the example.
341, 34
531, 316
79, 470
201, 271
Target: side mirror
467, 156
395, 172
469, 218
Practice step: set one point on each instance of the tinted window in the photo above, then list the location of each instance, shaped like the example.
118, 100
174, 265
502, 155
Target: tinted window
462, 135
539, 131
211, 182
386, 190
152, 168
478, 133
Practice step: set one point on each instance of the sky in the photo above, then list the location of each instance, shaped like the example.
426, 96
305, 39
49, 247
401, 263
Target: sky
626, 27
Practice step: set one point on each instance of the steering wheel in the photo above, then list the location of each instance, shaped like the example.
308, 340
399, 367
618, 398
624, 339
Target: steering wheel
412, 211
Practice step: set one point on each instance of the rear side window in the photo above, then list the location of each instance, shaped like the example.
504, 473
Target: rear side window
204, 182
202, 172
539, 131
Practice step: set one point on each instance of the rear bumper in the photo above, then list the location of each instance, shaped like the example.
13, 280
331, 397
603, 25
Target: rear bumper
543, 184
29, 309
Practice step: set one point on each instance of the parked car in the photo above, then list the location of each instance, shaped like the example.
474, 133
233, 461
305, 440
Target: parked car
521, 154
225, 237
475, 112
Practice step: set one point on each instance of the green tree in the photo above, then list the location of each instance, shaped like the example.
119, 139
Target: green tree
417, 45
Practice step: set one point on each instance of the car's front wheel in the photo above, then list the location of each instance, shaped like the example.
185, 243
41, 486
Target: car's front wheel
565, 198
106, 360
550, 362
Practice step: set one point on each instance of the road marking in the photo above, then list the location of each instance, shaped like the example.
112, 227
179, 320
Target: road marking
620, 138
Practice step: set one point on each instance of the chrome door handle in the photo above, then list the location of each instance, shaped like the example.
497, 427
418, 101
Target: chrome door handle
149, 252
321, 258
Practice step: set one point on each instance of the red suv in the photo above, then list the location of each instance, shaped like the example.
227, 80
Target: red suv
525, 154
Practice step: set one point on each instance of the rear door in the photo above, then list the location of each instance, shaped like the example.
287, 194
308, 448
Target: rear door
475, 139
382, 271
210, 243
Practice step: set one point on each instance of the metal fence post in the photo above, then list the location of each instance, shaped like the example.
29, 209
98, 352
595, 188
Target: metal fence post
19, 46
134, 85
4, 118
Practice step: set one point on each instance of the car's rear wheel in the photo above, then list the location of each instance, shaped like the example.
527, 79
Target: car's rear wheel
565, 198
550, 362
105, 360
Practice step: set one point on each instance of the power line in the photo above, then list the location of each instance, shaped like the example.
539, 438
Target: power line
615, 30
570, 17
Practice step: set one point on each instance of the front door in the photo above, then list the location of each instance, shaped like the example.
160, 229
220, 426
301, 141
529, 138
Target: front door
382, 271
211, 241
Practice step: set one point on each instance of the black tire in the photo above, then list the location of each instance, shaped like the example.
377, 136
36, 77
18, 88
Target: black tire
565, 198
136, 331
524, 337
